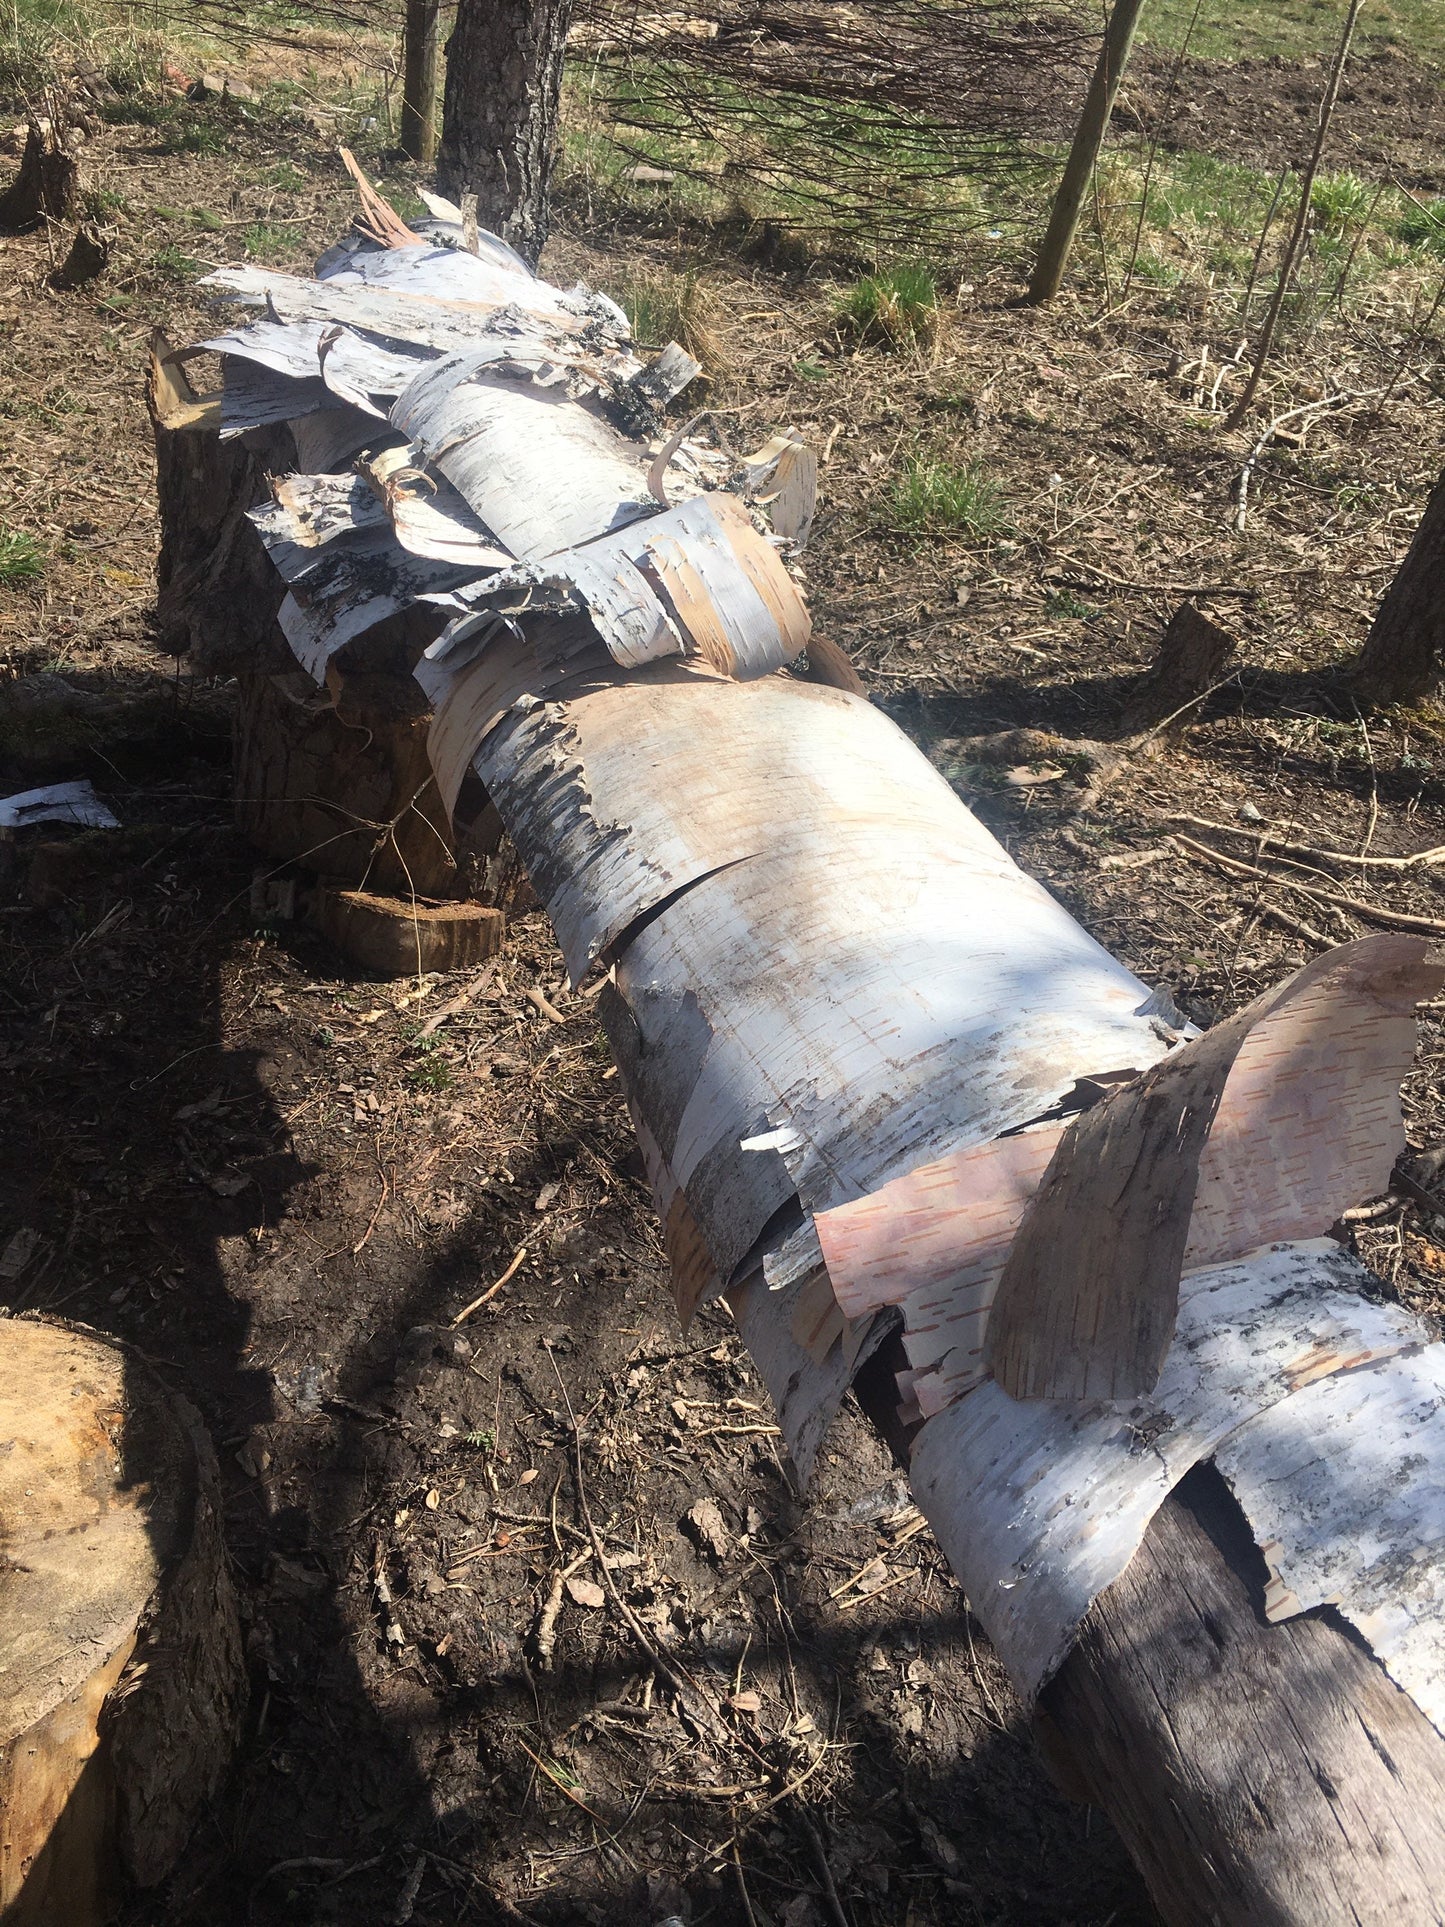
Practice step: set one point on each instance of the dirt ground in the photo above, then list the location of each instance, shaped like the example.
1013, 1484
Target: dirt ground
250, 1165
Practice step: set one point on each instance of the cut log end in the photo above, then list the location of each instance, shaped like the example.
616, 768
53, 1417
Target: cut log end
121, 1679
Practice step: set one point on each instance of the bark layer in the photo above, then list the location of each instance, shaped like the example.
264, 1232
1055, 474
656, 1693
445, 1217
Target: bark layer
500, 113
1404, 653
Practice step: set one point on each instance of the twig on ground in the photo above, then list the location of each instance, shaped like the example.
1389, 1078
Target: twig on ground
544, 1638
519, 1258
456, 1005
835, 1904
541, 1005
1420, 860
1373, 913
695, 1702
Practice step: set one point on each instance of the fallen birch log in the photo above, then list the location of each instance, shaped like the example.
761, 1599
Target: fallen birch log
881, 1080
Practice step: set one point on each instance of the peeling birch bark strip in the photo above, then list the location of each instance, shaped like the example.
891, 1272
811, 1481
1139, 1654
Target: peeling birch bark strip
1309, 1124
788, 764
1342, 1490
1085, 1306
542, 472
1040, 1506
972, 1001
435, 300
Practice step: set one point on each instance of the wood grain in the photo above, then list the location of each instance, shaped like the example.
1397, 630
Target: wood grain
1260, 1775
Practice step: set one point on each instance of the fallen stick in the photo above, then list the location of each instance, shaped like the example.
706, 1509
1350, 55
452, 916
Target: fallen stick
1393, 919
1420, 860
491, 1291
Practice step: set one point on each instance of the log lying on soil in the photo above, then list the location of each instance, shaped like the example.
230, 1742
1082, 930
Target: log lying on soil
121, 1678
853, 1036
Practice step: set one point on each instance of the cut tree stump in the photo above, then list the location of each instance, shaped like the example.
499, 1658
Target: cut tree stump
407, 937
342, 781
47, 188
121, 1676
217, 594
1191, 657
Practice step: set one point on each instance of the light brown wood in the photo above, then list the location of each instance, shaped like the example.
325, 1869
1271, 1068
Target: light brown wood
121, 1678
1261, 1775
396, 937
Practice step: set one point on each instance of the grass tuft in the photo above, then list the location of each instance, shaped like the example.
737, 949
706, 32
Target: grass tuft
893, 307
1423, 225
1339, 202
947, 498
674, 307
22, 560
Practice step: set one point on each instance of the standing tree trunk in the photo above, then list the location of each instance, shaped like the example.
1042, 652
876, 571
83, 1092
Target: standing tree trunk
1083, 155
1404, 653
500, 113
419, 81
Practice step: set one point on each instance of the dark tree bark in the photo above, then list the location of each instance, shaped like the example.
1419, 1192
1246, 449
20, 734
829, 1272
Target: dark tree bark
1404, 653
500, 113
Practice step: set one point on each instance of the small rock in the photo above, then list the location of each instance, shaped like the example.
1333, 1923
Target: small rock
586, 1592
1249, 814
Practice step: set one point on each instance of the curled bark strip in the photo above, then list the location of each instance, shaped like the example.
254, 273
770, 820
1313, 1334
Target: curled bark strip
1090, 1290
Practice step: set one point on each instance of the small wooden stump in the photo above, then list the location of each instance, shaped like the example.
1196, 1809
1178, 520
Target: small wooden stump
217, 593
341, 782
402, 937
121, 1678
47, 188
1192, 653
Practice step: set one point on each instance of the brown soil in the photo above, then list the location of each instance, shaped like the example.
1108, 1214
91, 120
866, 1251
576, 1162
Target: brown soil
241, 1159
1263, 112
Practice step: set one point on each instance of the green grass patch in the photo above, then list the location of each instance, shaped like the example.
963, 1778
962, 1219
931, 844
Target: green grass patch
1340, 202
893, 308
22, 560
1422, 225
664, 307
269, 244
1295, 29
937, 497
171, 263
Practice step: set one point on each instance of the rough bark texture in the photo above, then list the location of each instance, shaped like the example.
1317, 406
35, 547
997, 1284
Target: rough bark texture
345, 787
500, 112
419, 82
1404, 653
1260, 1774
47, 188
1192, 652
217, 594
121, 1675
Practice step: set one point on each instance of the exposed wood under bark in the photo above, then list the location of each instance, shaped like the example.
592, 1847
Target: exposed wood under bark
122, 1680
1259, 1774
348, 791
217, 593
